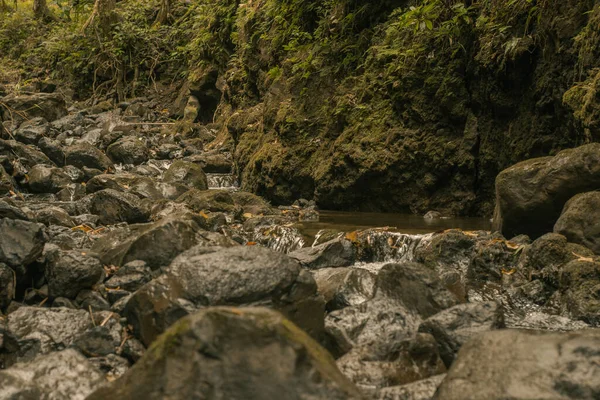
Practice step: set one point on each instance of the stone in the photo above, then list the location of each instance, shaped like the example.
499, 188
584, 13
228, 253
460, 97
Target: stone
419, 390
21, 243
46, 179
252, 204
85, 155
580, 286
128, 150
8, 210
343, 287
433, 215
453, 327
96, 342
62, 375
250, 353
54, 216
241, 275
113, 207
50, 106
7, 285
214, 163
210, 200
69, 272
580, 221
519, 365
28, 156
53, 149
335, 253
31, 131
531, 194
187, 173
141, 186
7, 183
130, 277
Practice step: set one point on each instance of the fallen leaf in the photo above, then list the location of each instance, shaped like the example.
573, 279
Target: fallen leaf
508, 271
251, 244
583, 258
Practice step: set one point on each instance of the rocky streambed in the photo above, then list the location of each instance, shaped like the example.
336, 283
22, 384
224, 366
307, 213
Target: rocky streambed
132, 267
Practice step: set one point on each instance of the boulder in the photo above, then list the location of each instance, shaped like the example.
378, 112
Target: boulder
580, 286
252, 204
241, 275
50, 106
21, 243
338, 252
214, 163
531, 195
520, 365
47, 179
31, 131
210, 200
141, 186
113, 207
343, 287
8, 210
85, 155
231, 353
54, 216
453, 327
69, 272
187, 173
28, 156
128, 150
62, 375
580, 220
53, 149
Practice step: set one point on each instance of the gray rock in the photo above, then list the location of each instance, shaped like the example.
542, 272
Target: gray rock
9, 211
343, 287
54, 216
141, 186
580, 286
53, 149
419, 390
69, 272
234, 354
453, 327
580, 220
210, 200
85, 155
7, 285
530, 195
50, 106
28, 156
519, 365
21, 243
31, 131
7, 183
46, 179
113, 207
338, 252
128, 150
187, 173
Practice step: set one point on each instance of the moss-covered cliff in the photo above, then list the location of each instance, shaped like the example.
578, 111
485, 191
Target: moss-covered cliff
391, 105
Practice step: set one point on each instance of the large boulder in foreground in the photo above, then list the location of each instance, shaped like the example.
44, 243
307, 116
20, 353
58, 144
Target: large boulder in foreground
212, 276
231, 353
530, 195
580, 220
519, 365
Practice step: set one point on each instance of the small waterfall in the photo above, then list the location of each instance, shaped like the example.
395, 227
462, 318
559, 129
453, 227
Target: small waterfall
284, 239
222, 181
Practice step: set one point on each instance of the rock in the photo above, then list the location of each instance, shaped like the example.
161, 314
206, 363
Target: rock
31, 131
50, 106
91, 299
235, 354
7, 285
7, 183
433, 215
252, 204
141, 186
53, 149
157, 243
580, 220
21, 243
511, 364
453, 327
210, 200
28, 156
47, 329
580, 284
9, 211
111, 365
62, 375
46, 179
128, 150
530, 195
335, 253
113, 207
419, 390
189, 174
214, 163
343, 287
54, 216
241, 275
85, 155
130, 277
96, 342
69, 272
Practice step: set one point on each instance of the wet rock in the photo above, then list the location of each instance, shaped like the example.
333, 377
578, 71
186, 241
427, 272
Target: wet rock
419, 390
113, 207
7, 285
433, 215
46, 179
47, 329
187, 173
580, 220
128, 150
530, 195
31, 131
21, 243
10, 211
85, 155
453, 327
580, 283
335, 253
141, 186
285, 239
49, 106
239, 275
343, 287
525, 365
54, 216
157, 243
209, 200
69, 272
95, 342
62, 375
233, 353
490, 258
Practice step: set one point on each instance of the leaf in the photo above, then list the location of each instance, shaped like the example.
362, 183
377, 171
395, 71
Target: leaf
508, 271
429, 24
352, 236
251, 244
